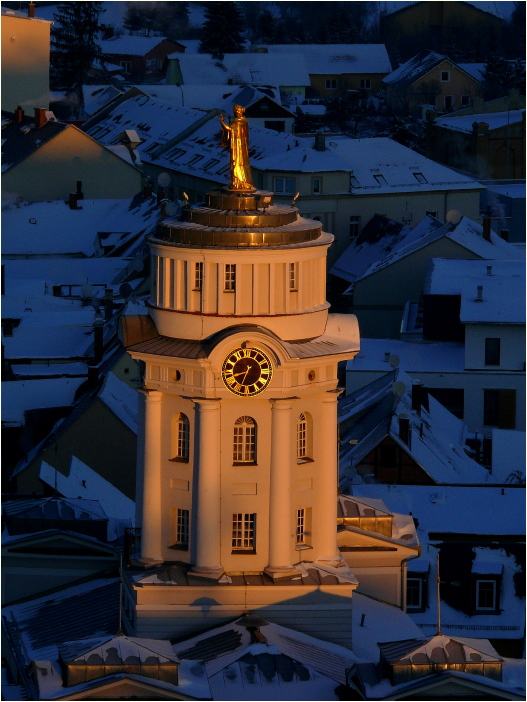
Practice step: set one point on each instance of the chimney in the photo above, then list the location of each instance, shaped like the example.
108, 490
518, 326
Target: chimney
40, 117
504, 233
404, 429
486, 228
417, 395
320, 142
80, 194
19, 114
108, 304
147, 188
489, 270
73, 202
479, 297
31, 10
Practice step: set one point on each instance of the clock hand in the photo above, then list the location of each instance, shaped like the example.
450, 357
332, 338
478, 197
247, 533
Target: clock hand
248, 369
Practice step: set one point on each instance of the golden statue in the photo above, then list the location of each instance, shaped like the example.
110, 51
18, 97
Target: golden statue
235, 137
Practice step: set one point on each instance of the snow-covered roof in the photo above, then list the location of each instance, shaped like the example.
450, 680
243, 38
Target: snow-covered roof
508, 455
23, 15
439, 649
337, 59
371, 253
438, 357
497, 292
207, 97
121, 399
113, 650
97, 96
31, 229
414, 68
155, 121
446, 275
252, 68
19, 396
495, 120
512, 190
128, 45
55, 508
191, 45
476, 70
454, 509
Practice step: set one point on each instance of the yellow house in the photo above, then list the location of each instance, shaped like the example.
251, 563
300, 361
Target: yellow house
25, 60
44, 160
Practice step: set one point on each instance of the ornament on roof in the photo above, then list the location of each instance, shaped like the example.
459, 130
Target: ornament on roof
235, 137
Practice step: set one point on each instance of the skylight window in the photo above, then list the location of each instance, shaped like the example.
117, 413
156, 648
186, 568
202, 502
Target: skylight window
210, 163
194, 160
174, 154
420, 178
354, 182
223, 170
380, 179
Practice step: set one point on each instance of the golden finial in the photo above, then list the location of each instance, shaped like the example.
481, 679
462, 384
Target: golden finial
235, 137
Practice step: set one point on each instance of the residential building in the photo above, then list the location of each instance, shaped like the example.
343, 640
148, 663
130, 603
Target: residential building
489, 145
45, 160
257, 69
337, 69
25, 60
438, 25
387, 252
504, 201
140, 58
431, 80
512, 101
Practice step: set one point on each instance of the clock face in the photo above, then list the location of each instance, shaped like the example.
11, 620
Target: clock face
246, 372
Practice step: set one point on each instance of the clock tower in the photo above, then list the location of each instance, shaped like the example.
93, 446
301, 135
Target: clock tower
237, 465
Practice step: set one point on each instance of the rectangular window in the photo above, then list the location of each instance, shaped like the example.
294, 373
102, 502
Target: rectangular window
499, 408
316, 186
182, 527
449, 102
445, 76
126, 66
492, 351
465, 100
244, 532
194, 160
230, 277
420, 178
485, 594
244, 443
300, 526
284, 186
354, 226
293, 276
331, 84
414, 593
211, 163
354, 183
198, 275
431, 213
365, 84
381, 180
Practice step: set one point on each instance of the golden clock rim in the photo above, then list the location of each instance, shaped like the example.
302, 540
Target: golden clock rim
250, 349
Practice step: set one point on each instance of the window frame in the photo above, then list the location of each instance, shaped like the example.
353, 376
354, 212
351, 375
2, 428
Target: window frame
229, 278
354, 223
180, 438
303, 439
451, 99
283, 190
331, 83
244, 442
292, 276
243, 534
447, 79
182, 529
365, 83
314, 190
483, 580
303, 528
492, 351
198, 275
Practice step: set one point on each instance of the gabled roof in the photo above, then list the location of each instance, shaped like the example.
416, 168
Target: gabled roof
252, 68
124, 649
494, 120
20, 396
338, 58
439, 649
97, 96
414, 68
54, 508
21, 139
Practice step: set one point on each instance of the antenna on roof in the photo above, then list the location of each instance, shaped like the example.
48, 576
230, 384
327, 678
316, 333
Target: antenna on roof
438, 581
120, 632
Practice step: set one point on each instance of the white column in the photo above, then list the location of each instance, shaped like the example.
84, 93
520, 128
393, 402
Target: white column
151, 547
207, 537
326, 482
280, 517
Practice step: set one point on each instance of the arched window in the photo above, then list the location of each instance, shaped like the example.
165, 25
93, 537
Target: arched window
244, 444
180, 437
303, 438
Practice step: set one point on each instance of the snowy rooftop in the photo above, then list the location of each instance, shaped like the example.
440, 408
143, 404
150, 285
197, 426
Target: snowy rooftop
476, 70
253, 68
508, 454
22, 15
97, 96
446, 275
512, 190
371, 253
128, 45
19, 396
32, 229
336, 59
419, 65
495, 120
207, 97
438, 357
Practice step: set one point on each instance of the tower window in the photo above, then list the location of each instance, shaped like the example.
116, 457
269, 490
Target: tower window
180, 438
244, 445
293, 276
230, 277
182, 528
303, 528
244, 532
198, 275
303, 439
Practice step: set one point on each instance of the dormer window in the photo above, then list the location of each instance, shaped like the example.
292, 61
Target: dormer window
486, 580
486, 595
420, 178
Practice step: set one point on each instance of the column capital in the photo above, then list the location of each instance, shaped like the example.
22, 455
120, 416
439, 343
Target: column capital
279, 403
151, 395
206, 403
332, 395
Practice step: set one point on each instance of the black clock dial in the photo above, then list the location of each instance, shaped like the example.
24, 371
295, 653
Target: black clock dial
246, 372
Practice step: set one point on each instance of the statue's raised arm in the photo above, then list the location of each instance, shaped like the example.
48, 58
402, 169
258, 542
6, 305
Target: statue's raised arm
235, 137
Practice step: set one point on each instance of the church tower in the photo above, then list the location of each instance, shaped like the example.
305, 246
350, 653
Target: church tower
238, 442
